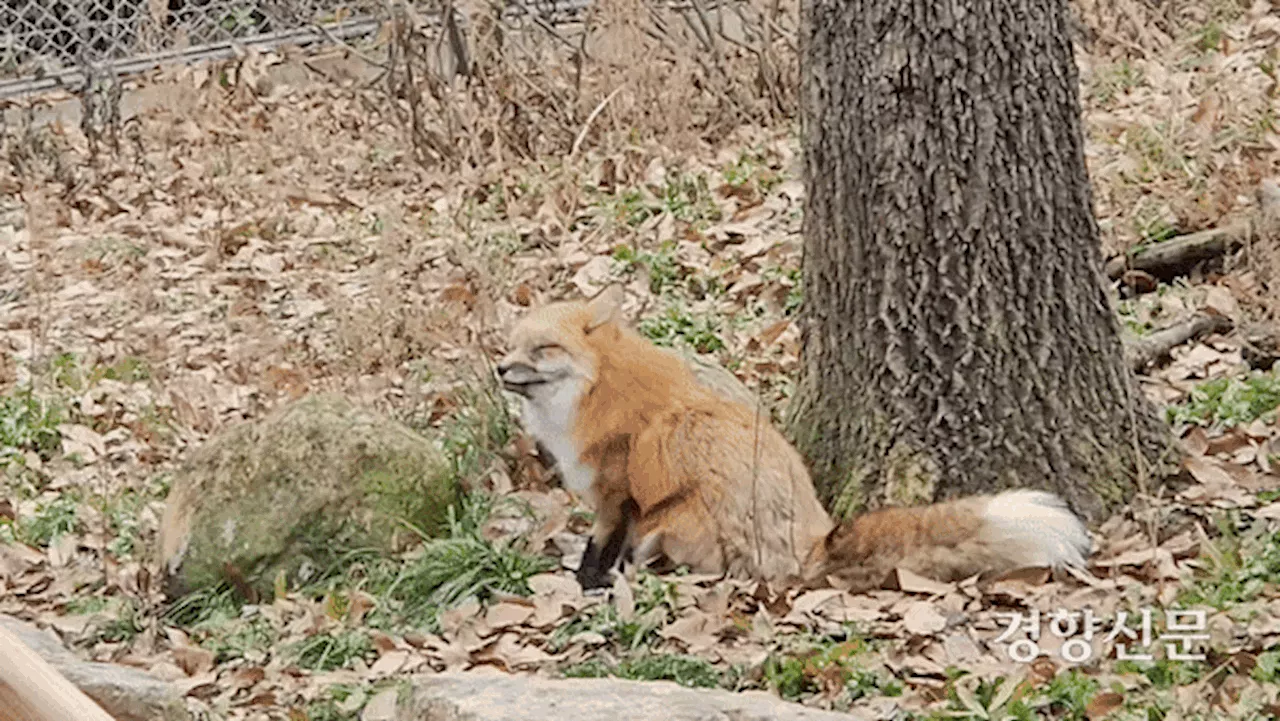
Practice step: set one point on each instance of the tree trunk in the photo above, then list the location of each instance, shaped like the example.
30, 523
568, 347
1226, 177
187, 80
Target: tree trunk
958, 335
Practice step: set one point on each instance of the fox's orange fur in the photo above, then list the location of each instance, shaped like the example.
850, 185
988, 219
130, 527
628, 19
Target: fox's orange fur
675, 470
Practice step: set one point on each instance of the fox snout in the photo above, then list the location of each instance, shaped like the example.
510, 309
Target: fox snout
518, 376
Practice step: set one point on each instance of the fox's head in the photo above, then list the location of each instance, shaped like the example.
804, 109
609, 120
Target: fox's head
548, 350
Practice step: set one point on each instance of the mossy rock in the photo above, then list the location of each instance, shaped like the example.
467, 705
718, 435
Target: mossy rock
718, 379
296, 492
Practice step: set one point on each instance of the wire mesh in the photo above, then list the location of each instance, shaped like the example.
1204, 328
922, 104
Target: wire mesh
42, 37
45, 42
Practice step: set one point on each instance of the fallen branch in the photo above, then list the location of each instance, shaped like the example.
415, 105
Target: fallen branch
1144, 351
31, 690
1175, 257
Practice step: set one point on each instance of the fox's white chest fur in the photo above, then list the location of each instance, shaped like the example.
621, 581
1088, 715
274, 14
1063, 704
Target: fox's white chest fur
550, 419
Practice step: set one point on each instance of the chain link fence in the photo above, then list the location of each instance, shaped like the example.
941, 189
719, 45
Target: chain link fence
47, 43
43, 36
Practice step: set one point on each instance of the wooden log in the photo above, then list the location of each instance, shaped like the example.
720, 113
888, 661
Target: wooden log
31, 690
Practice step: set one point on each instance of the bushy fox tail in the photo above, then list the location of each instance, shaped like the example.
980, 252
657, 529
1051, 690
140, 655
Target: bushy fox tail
953, 540
1034, 529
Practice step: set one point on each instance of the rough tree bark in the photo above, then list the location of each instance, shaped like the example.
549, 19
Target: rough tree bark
958, 335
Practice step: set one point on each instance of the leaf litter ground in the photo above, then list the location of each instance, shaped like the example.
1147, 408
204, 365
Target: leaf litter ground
264, 246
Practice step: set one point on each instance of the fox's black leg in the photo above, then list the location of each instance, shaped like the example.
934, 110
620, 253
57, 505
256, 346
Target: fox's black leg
589, 573
597, 560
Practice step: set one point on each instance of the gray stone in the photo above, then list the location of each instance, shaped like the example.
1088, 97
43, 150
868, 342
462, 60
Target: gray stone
127, 694
492, 696
293, 491
719, 379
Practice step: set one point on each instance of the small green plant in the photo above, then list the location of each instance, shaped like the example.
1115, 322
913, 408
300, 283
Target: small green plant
1226, 402
1156, 156
655, 604
663, 269
685, 197
204, 609
1069, 695
27, 423
1235, 568
677, 326
329, 651
476, 434
1117, 78
124, 627
750, 167
688, 198
52, 519
340, 702
129, 369
1127, 312
1154, 230
1267, 669
121, 513
1162, 674
464, 564
1210, 37
986, 700
442, 572
238, 638
826, 665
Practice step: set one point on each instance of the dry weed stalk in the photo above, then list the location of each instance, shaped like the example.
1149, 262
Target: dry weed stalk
499, 81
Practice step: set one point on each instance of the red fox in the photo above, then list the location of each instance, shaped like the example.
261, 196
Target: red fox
678, 472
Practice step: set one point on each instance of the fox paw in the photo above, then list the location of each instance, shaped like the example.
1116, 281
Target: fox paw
592, 579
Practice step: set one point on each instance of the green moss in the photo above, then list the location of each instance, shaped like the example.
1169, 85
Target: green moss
293, 494
910, 476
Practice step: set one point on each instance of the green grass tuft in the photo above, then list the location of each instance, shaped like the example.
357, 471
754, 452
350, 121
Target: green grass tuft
330, 651
28, 423
687, 671
463, 565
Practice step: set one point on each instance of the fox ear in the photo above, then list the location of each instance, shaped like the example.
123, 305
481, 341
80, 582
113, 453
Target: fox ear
605, 307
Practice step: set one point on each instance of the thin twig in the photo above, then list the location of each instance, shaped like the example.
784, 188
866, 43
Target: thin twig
577, 142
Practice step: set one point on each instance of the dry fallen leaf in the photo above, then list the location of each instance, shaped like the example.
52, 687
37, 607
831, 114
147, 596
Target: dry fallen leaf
503, 615
194, 660
923, 619
903, 580
1103, 704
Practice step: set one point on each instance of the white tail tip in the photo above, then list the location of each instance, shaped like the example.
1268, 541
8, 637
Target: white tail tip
1038, 529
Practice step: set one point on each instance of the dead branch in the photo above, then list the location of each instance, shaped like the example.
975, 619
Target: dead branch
1144, 351
1177, 256
31, 690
